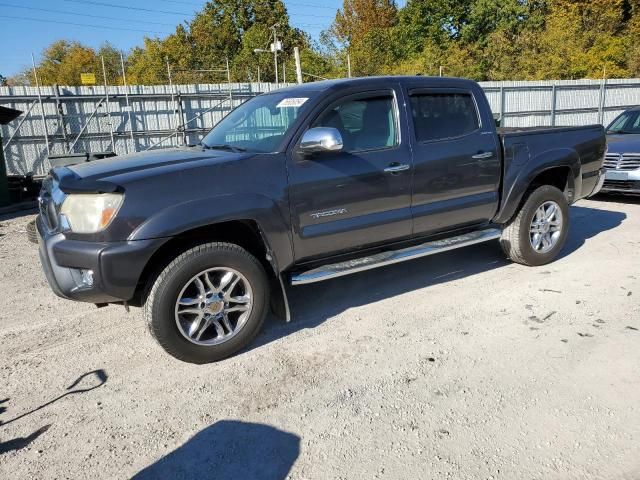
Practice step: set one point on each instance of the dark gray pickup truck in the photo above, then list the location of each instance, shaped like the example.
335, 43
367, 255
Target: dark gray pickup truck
301, 185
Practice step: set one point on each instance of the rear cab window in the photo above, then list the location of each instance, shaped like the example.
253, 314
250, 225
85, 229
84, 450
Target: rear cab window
443, 115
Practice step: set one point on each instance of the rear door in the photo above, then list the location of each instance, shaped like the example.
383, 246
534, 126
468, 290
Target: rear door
456, 160
359, 196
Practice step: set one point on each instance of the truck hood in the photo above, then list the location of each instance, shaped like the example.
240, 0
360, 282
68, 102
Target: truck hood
629, 143
119, 170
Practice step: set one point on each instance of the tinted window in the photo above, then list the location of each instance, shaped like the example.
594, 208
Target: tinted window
628, 122
365, 124
443, 115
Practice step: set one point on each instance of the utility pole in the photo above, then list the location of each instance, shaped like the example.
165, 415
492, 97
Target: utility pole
348, 65
275, 47
296, 54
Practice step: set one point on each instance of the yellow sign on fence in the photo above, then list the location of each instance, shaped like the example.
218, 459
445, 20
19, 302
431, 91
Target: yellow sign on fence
88, 78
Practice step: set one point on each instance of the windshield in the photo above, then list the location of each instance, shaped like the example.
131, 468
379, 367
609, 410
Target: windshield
628, 122
258, 125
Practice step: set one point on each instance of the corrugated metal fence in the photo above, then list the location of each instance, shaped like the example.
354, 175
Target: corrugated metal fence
135, 118
120, 119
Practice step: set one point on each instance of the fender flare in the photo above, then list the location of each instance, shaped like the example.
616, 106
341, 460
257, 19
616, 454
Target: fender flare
273, 226
516, 187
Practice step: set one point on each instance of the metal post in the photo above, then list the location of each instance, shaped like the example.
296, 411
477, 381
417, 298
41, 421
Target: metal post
604, 99
601, 100
554, 94
441, 70
284, 72
258, 73
61, 122
502, 106
106, 94
296, 54
126, 96
348, 65
44, 121
275, 51
171, 89
182, 122
229, 85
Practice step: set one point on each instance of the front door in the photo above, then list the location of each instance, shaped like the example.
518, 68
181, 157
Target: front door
357, 197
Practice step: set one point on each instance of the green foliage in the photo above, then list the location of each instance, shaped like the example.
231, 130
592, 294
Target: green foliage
479, 39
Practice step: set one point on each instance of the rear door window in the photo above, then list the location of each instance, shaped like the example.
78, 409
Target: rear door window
438, 116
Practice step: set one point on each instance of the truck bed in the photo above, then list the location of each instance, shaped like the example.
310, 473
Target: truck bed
527, 151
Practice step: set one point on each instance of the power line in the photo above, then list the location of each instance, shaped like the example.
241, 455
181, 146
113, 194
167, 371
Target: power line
286, 4
66, 12
81, 24
309, 15
127, 7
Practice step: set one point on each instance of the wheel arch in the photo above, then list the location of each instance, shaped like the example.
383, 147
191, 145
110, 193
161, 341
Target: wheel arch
245, 233
560, 168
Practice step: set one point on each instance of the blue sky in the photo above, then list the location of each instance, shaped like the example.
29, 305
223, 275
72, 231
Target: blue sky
83, 20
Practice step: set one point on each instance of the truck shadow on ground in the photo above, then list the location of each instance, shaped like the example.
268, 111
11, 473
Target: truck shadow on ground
229, 449
313, 304
78, 386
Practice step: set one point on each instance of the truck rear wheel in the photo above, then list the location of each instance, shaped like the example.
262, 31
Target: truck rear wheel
208, 303
539, 231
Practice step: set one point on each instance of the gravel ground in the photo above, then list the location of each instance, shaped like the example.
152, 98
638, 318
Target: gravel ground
460, 365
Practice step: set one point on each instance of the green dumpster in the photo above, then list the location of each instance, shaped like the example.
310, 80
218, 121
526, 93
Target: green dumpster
6, 115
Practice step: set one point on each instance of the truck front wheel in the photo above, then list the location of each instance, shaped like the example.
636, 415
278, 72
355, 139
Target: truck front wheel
538, 232
208, 303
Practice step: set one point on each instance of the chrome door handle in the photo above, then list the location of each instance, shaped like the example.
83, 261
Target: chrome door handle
397, 167
482, 156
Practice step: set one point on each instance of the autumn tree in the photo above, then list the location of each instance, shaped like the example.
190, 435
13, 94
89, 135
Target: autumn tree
362, 28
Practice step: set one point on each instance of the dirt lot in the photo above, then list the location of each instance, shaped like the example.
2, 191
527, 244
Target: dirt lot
459, 366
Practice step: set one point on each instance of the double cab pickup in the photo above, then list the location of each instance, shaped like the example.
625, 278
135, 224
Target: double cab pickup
302, 185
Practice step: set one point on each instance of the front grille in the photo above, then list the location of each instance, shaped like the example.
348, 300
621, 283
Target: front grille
620, 185
625, 161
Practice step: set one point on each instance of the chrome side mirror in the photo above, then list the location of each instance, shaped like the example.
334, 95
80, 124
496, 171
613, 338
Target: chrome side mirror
321, 139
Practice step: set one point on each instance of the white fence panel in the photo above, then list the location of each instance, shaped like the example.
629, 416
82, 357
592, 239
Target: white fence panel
81, 120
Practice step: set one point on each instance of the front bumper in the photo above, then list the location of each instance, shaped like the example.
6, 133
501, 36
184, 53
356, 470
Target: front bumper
116, 266
622, 181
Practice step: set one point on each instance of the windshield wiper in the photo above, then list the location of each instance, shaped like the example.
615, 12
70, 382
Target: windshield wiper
623, 132
223, 146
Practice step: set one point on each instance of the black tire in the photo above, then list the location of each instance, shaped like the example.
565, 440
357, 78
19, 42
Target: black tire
515, 239
160, 304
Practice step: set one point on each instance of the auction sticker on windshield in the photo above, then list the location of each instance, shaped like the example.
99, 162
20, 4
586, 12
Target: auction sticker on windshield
291, 102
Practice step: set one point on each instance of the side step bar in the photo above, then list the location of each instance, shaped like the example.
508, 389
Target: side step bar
381, 259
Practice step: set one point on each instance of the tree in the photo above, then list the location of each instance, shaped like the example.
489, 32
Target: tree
63, 62
225, 30
3, 81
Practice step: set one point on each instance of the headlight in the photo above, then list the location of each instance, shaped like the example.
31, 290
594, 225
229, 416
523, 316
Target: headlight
90, 213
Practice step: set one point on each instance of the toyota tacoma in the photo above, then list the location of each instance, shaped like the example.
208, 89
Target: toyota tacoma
305, 184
